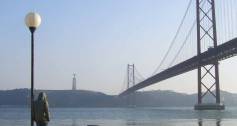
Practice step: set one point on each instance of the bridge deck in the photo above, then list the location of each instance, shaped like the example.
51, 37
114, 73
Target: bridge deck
221, 52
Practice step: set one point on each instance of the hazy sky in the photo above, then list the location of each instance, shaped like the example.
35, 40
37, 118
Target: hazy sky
95, 39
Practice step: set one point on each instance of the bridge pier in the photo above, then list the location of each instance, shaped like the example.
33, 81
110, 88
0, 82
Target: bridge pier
209, 106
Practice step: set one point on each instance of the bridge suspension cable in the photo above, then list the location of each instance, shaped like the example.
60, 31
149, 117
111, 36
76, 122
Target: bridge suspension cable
174, 38
185, 41
138, 74
226, 20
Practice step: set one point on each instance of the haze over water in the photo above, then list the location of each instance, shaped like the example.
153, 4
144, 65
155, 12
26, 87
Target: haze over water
124, 117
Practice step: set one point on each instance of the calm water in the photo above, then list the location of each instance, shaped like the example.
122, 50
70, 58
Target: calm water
124, 117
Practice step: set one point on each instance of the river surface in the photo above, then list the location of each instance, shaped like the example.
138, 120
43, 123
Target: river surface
123, 117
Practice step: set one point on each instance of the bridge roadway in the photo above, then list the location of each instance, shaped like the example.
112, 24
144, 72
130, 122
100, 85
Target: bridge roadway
221, 52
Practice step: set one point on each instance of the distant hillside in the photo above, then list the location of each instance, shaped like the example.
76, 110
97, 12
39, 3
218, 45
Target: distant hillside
59, 98
82, 98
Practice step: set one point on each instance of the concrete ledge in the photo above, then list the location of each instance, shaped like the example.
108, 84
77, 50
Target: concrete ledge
209, 106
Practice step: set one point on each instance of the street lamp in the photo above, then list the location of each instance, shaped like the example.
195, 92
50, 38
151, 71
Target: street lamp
32, 21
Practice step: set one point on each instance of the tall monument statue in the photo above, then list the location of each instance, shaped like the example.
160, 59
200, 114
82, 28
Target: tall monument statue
74, 82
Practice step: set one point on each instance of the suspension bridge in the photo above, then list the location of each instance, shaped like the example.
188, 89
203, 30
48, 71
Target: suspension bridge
213, 35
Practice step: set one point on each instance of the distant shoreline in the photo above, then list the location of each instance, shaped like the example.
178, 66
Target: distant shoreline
90, 99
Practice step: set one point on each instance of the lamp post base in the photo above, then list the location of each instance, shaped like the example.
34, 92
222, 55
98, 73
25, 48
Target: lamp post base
209, 106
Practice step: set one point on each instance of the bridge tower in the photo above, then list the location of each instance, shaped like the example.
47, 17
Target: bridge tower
130, 76
130, 83
206, 32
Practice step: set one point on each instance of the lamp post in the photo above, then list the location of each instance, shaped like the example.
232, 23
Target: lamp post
32, 21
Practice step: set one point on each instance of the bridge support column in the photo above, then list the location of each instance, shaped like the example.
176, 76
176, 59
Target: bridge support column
208, 75
130, 83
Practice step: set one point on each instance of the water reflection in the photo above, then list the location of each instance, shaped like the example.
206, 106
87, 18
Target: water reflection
178, 122
200, 122
131, 123
74, 122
